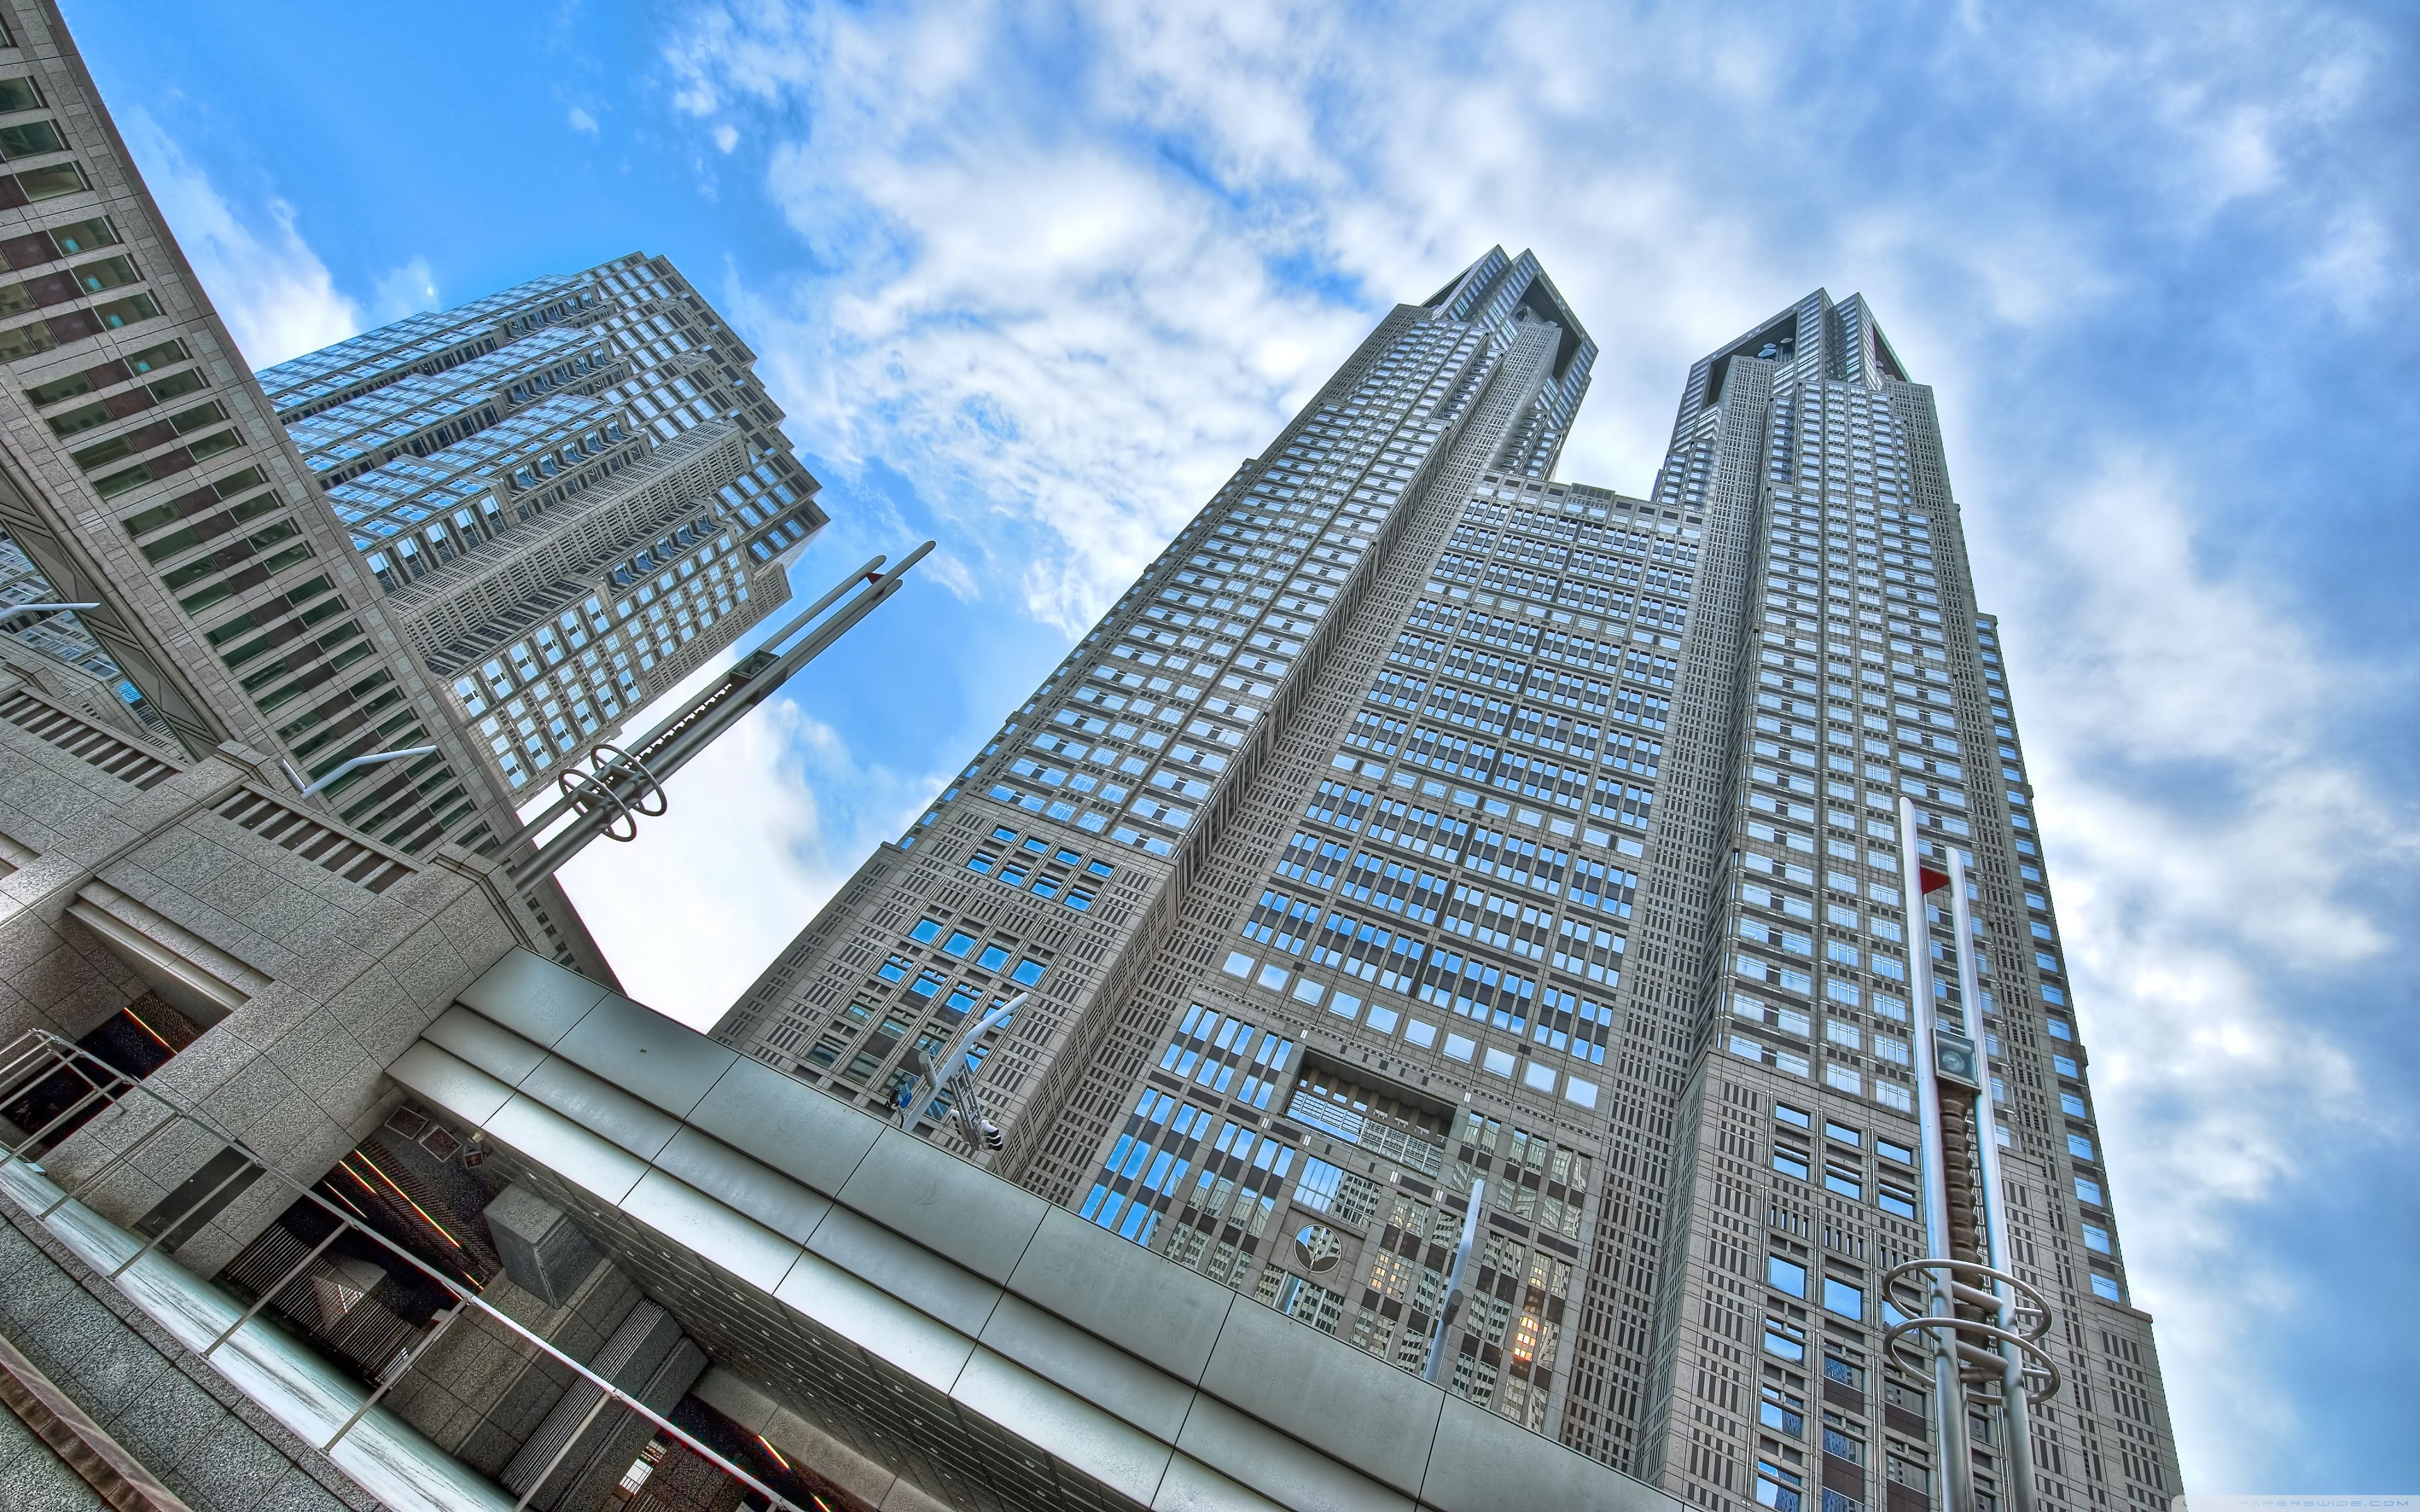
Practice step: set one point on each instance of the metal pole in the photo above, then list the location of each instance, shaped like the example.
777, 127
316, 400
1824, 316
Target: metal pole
1453, 1278
555, 810
1949, 1396
375, 758
672, 744
953, 1062
1987, 1128
286, 1280
411, 1356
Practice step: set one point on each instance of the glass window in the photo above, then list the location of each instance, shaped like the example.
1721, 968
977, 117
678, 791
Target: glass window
1789, 1114
1784, 1275
1028, 971
926, 929
1776, 1487
960, 942
1841, 1298
1783, 1412
993, 958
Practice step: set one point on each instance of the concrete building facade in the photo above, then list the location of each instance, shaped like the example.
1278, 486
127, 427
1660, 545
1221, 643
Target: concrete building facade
1464, 1057
495, 530
1418, 823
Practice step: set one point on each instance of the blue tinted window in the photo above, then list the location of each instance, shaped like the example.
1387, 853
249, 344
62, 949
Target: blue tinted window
1784, 1275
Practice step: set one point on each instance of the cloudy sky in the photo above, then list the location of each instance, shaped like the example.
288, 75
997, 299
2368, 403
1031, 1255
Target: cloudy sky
1031, 280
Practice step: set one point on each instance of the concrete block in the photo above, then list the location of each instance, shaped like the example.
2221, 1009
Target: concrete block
544, 1251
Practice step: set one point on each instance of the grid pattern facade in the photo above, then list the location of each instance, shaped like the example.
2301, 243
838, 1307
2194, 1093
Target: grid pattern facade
1418, 822
575, 493
1863, 673
145, 471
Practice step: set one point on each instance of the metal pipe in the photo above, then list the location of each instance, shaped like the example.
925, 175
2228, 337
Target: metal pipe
2020, 1480
373, 759
1949, 1396
1453, 1278
872, 568
10, 612
671, 744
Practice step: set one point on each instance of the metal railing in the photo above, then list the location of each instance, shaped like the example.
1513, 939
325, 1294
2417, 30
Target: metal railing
39, 1055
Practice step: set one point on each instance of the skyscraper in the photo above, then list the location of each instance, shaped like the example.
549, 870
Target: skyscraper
493, 531
573, 494
1416, 826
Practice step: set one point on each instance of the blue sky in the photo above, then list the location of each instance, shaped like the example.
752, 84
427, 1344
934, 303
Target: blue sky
1034, 279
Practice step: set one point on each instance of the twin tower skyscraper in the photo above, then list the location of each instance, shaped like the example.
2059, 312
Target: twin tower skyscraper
1459, 909
1418, 826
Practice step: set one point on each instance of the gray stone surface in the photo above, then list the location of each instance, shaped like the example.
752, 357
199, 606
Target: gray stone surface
163, 1406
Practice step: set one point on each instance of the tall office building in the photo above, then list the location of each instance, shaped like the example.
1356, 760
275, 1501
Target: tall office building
1416, 826
573, 494
494, 531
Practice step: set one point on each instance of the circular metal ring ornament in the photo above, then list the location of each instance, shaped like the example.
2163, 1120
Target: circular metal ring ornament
2033, 1308
1979, 1368
590, 795
648, 786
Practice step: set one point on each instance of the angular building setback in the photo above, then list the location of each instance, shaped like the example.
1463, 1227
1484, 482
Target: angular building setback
1417, 827
574, 492
496, 530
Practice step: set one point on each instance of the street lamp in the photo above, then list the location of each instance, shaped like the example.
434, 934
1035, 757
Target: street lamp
373, 759
949, 1071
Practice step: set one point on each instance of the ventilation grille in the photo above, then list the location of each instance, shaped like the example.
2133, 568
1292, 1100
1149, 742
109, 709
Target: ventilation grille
128, 763
313, 841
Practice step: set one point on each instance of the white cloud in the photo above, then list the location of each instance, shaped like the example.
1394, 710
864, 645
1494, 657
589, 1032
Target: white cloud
273, 292
579, 121
2209, 846
1066, 289
692, 908
405, 290
682, 940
